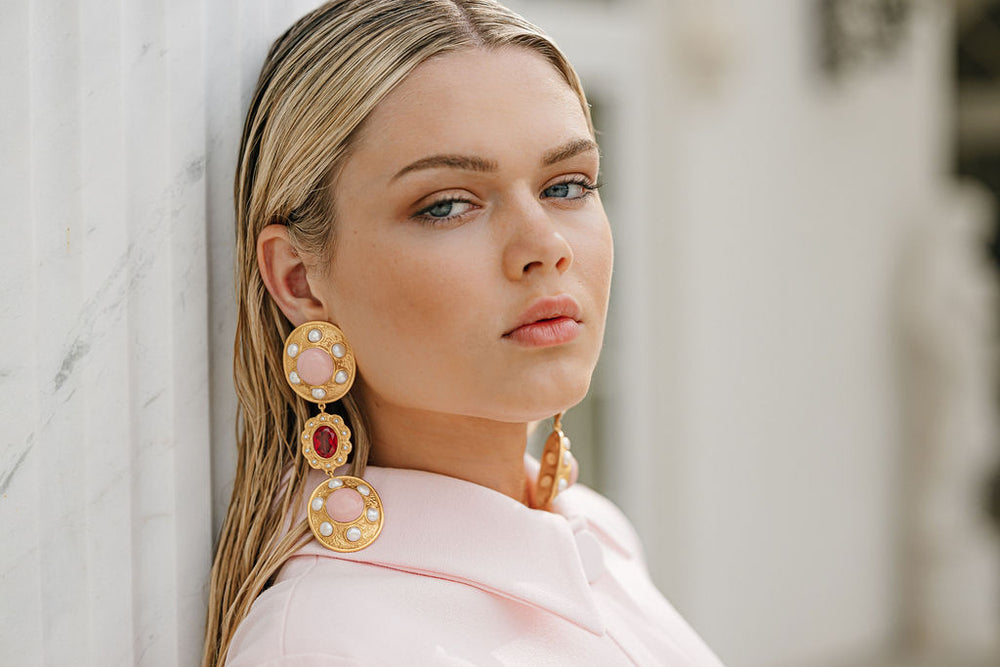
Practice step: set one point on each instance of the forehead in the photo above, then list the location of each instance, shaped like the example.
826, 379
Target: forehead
495, 103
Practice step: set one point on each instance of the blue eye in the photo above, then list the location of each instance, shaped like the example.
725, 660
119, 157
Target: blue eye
446, 209
442, 209
569, 190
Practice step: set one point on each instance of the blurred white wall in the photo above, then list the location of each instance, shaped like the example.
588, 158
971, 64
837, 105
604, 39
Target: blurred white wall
790, 204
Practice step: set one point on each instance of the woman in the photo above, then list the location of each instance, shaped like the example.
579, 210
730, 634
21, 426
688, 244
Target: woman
422, 250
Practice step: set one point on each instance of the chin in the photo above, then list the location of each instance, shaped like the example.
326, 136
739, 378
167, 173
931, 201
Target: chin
540, 398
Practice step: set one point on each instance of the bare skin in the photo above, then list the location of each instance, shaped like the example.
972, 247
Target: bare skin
467, 200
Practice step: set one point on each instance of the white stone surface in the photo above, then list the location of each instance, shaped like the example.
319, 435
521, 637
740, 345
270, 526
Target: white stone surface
118, 133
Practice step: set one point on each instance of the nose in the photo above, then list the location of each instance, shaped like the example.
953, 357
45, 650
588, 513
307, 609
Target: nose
535, 244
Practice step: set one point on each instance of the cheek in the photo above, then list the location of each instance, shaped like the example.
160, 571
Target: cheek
415, 315
606, 254
594, 258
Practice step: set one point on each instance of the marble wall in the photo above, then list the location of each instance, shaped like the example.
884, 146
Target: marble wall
118, 131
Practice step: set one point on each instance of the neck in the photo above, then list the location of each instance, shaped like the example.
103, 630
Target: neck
481, 451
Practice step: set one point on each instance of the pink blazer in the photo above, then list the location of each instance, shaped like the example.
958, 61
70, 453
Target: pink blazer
464, 575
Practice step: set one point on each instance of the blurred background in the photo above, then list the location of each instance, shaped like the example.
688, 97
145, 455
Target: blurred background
797, 402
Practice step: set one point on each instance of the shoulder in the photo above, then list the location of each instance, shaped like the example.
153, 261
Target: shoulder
296, 660
329, 611
300, 619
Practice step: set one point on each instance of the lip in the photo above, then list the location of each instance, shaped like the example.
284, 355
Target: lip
552, 320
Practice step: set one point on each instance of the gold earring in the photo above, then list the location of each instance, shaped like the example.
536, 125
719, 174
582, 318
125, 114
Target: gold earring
559, 469
345, 512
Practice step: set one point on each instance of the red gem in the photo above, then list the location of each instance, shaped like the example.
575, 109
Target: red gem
325, 441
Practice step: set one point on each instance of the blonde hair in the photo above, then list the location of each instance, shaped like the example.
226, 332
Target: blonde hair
321, 80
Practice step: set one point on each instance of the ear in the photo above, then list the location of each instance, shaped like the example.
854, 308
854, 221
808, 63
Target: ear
284, 274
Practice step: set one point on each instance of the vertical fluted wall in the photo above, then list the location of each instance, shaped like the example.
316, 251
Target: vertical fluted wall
118, 133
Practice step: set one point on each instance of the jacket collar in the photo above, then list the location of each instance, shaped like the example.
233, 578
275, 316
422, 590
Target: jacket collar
451, 529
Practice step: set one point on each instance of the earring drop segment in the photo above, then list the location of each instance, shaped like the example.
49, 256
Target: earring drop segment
345, 513
326, 441
559, 469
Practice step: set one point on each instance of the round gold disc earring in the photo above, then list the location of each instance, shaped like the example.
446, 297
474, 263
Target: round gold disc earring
345, 512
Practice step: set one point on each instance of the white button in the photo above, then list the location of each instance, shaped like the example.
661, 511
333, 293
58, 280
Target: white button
591, 555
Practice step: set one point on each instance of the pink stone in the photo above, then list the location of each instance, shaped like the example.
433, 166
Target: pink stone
574, 472
315, 366
344, 505
325, 441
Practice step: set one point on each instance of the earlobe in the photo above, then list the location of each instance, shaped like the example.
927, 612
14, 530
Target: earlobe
285, 276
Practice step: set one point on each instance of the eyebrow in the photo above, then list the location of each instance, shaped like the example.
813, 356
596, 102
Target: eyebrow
466, 162
475, 163
568, 150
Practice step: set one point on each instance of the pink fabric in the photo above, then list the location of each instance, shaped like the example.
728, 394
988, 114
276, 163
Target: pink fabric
463, 575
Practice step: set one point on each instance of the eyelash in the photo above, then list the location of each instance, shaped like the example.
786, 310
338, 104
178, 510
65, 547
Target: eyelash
421, 216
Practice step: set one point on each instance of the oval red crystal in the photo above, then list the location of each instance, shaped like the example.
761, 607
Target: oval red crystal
325, 441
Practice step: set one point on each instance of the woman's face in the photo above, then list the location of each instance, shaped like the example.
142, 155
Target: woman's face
472, 261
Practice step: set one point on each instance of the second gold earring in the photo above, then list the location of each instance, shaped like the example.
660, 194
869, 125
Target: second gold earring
558, 470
